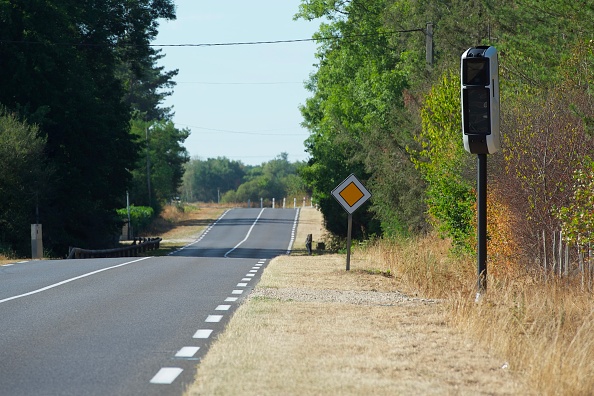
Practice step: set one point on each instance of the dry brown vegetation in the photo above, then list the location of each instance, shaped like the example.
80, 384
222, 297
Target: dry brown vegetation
544, 330
311, 327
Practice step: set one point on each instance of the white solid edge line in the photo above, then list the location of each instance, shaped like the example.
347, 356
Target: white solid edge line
166, 375
70, 280
248, 233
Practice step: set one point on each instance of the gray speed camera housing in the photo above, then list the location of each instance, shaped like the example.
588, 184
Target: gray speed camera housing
480, 100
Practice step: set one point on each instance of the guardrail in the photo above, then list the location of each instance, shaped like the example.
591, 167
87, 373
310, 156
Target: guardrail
138, 246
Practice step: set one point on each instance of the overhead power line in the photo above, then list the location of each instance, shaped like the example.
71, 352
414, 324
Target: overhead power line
289, 41
240, 83
227, 44
261, 133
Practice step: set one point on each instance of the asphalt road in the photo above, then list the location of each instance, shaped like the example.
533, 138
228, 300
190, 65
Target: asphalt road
131, 326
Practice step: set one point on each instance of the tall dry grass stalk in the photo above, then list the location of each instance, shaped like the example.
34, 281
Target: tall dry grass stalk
423, 264
544, 330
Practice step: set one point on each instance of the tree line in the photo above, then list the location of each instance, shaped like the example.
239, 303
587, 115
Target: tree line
80, 90
377, 109
223, 180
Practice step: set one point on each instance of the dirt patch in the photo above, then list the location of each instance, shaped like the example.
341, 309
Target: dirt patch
312, 328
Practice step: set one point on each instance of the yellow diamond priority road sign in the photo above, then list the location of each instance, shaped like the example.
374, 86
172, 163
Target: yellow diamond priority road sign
351, 194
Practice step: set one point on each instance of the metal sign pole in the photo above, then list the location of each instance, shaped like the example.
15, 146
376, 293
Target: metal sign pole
350, 194
349, 230
482, 223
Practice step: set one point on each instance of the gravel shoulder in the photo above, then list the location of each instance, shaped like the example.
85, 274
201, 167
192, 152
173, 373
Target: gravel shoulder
312, 328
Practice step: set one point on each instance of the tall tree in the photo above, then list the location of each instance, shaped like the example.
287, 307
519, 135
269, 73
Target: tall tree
161, 165
207, 180
23, 181
58, 62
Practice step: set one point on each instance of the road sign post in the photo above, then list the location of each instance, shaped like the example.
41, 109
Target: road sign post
479, 89
351, 194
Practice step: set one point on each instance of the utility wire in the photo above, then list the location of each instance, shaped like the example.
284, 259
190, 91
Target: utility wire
288, 41
260, 133
239, 83
229, 44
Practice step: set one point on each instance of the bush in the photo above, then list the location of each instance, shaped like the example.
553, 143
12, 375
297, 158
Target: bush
140, 217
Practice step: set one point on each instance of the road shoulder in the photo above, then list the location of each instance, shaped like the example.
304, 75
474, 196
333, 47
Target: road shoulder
310, 327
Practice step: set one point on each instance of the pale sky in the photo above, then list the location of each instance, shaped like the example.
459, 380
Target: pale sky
240, 102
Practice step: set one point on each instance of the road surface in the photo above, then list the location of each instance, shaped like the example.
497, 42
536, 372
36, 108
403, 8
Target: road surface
131, 326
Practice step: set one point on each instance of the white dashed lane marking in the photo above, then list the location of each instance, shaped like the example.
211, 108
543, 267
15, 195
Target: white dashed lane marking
293, 232
203, 333
187, 352
166, 375
204, 233
214, 318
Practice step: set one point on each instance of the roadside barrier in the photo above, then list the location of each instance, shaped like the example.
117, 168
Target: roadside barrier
139, 245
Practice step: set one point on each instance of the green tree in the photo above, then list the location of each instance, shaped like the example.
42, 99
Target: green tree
23, 181
356, 89
59, 65
445, 165
208, 180
163, 158
276, 179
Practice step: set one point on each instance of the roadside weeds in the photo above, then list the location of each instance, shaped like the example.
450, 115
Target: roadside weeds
312, 328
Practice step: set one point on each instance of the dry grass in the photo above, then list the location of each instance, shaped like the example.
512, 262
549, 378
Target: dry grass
298, 345
309, 223
5, 260
298, 348
543, 330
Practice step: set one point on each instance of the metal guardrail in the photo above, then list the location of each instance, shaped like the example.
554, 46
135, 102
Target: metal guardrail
140, 246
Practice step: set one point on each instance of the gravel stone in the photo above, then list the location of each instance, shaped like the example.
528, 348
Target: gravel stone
367, 297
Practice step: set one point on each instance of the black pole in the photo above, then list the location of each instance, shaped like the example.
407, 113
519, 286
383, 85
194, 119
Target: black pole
482, 223
349, 229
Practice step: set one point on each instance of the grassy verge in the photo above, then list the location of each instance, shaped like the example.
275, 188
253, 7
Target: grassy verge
312, 328
544, 330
